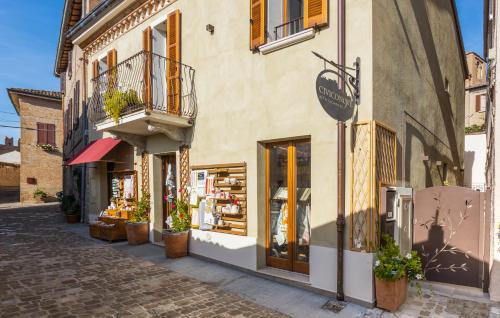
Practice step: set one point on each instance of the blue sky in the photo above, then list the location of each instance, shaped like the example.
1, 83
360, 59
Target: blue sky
29, 31
28, 38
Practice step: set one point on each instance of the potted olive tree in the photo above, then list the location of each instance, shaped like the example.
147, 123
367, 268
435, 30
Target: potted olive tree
137, 226
392, 274
177, 235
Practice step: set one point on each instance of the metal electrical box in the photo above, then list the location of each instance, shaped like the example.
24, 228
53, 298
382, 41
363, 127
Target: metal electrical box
396, 215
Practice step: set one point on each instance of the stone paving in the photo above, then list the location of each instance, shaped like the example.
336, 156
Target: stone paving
45, 271
433, 304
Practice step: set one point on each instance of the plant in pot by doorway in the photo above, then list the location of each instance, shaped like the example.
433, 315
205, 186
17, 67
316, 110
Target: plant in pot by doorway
71, 208
392, 274
40, 195
177, 235
137, 226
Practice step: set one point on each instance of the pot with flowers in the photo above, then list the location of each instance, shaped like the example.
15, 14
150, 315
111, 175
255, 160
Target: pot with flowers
177, 235
393, 272
137, 226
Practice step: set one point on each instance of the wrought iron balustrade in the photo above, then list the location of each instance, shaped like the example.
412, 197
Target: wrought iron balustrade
288, 28
145, 81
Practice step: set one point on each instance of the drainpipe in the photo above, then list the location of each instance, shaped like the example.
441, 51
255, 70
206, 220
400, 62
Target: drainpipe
341, 160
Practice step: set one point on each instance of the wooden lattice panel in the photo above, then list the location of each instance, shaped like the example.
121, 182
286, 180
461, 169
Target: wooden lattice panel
236, 223
385, 166
373, 164
361, 198
145, 172
184, 171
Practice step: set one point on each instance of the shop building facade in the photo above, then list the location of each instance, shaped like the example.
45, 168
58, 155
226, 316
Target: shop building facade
229, 108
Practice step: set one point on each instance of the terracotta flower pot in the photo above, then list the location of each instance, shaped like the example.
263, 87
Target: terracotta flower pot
176, 244
137, 233
72, 218
39, 199
390, 294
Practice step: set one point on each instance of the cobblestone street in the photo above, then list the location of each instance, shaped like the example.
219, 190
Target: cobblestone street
45, 271
50, 269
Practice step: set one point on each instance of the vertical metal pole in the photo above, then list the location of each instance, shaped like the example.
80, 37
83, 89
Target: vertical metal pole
341, 160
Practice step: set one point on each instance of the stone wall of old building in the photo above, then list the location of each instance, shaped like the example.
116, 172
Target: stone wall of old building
9, 175
44, 167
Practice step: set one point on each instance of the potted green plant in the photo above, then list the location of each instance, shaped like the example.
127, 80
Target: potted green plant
137, 226
392, 274
177, 235
71, 208
47, 147
40, 195
116, 101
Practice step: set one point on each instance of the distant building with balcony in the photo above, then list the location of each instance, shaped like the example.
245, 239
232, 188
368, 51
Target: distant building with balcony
221, 96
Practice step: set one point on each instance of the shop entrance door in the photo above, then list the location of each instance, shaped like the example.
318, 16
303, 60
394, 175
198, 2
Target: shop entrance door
169, 184
288, 205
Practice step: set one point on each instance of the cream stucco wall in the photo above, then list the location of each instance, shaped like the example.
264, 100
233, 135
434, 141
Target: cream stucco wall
274, 92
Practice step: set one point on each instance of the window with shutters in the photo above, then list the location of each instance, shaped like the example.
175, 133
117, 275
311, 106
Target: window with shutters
70, 64
63, 82
76, 105
70, 116
482, 103
284, 18
273, 20
46, 134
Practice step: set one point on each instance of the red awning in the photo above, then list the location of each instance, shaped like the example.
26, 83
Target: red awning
95, 151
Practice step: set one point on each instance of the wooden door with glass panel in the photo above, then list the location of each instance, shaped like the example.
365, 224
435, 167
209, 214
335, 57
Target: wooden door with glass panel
288, 205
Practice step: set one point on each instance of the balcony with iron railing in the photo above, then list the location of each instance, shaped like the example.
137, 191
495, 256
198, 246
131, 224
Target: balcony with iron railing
288, 28
146, 89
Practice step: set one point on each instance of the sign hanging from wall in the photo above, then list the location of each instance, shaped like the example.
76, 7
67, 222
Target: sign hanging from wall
334, 101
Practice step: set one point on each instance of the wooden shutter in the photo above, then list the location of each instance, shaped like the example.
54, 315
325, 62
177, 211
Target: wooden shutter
51, 134
76, 105
111, 60
173, 62
147, 36
315, 13
70, 115
95, 69
257, 23
478, 103
40, 134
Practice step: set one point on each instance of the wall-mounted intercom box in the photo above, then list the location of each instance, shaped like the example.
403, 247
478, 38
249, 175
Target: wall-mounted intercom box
396, 214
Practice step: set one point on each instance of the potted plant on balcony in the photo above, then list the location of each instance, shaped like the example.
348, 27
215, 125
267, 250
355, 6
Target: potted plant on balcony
177, 235
39, 195
115, 101
392, 274
137, 226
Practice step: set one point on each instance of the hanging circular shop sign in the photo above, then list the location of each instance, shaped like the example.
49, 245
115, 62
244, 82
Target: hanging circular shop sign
334, 101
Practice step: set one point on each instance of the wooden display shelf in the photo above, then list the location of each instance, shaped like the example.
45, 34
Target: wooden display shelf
230, 218
235, 226
236, 223
234, 232
228, 185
